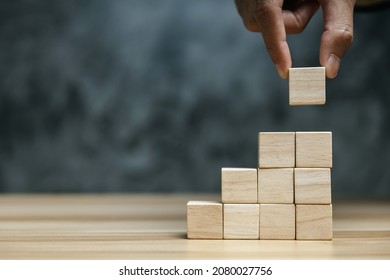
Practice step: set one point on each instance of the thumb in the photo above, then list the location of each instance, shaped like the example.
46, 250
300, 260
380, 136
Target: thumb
338, 33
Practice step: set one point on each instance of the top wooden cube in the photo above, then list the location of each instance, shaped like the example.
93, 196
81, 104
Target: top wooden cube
276, 149
307, 86
313, 149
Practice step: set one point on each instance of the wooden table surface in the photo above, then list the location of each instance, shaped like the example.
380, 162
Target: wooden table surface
154, 227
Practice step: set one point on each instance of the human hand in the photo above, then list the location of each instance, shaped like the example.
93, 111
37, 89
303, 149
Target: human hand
276, 18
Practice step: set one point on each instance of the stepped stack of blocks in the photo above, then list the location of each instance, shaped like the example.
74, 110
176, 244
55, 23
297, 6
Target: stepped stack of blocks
288, 196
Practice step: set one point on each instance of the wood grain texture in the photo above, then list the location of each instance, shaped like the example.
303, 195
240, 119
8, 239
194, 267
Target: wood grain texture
241, 221
239, 185
275, 185
314, 222
277, 221
276, 149
204, 220
313, 186
153, 226
307, 86
314, 149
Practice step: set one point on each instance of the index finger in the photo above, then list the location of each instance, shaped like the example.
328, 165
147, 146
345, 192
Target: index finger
269, 18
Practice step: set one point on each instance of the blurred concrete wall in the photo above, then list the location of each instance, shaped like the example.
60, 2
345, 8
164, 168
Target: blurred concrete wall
146, 96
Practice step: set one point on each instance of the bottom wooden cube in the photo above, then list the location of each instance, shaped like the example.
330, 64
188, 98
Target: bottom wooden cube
241, 221
204, 220
314, 222
277, 221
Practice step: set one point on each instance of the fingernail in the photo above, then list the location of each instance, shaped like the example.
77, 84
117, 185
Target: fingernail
282, 73
332, 66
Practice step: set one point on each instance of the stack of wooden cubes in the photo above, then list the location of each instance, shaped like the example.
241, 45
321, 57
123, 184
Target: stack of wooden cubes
287, 197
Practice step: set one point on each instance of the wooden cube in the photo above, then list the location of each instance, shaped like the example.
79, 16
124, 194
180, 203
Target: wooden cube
241, 221
275, 185
313, 149
312, 186
239, 185
314, 222
307, 86
276, 149
277, 221
204, 220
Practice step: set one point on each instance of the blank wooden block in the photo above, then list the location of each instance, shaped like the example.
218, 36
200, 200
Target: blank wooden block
313, 149
314, 222
276, 149
239, 185
204, 220
241, 221
275, 185
312, 186
307, 86
277, 221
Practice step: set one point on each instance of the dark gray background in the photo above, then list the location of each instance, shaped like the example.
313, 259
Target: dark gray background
157, 96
